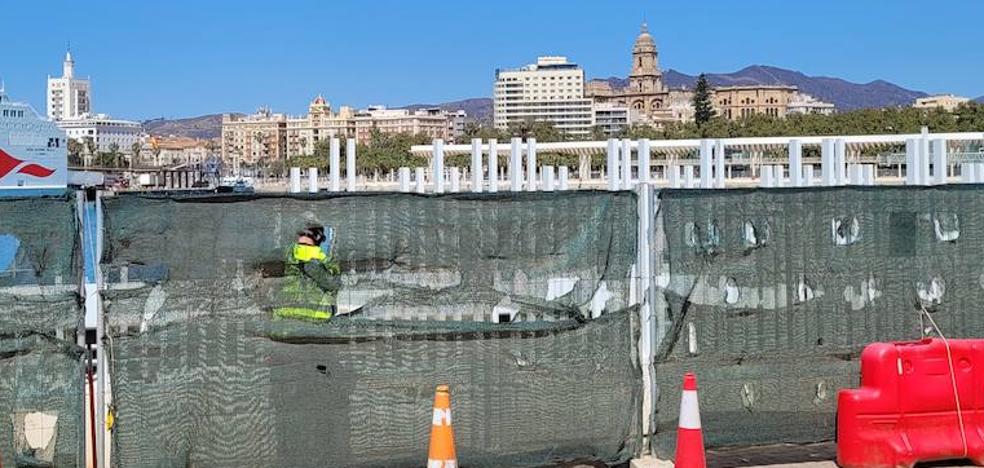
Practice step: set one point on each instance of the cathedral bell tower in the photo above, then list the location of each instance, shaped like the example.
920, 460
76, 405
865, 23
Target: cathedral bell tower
646, 76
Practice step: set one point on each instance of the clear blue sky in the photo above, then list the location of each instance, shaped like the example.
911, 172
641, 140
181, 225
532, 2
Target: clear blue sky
179, 58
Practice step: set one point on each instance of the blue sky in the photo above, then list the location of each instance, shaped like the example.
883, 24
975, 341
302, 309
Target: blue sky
177, 58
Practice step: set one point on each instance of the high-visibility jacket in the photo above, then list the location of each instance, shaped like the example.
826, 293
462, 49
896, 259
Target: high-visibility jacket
310, 284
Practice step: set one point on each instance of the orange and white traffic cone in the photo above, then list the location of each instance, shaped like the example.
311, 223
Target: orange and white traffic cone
441, 453
690, 439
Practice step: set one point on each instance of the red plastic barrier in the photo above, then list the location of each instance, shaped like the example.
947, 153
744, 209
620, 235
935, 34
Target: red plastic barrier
906, 411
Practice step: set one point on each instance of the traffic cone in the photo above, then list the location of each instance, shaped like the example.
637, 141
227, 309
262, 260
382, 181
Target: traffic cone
690, 439
441, 453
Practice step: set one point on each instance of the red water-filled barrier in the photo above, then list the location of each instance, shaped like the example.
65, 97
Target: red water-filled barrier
918, 402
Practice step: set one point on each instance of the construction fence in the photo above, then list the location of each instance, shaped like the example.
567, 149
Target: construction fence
563, 322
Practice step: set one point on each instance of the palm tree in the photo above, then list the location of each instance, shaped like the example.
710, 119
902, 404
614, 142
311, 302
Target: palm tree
90, 150
114, 154
135, 152
75, 151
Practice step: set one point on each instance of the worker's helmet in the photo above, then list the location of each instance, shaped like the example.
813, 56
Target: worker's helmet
314, 232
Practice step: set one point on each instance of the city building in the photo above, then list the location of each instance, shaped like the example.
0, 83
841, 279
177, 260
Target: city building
319, 124
249, 140
806, 104
948, 102
645, 92
735, 102
434, 123
611, 118
105, 132
551, 90
68, 97
175, 151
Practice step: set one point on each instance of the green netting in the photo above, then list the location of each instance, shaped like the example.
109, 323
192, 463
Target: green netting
203, 377
40, 367
770, 295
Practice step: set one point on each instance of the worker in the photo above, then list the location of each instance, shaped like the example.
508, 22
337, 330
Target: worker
312, 277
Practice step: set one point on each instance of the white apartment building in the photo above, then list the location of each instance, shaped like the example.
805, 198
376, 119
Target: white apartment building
104, 132
806, 104
611, 118
551, 90
68, 97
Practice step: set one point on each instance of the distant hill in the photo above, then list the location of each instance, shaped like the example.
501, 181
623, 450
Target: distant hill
980, 100
479, 109
206, 126
844, 94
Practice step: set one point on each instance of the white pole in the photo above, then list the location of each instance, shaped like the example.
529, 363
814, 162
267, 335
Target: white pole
911, 164
531, 164
516, 165
644, 158
626, 152
350, 163
688, 176
719, 149
438, 169
313, 180
765, 176
611, 167
477, 174
295, 180
562, 178
706, 179
455, 179
421, 180
779, 175
796, 163
828, 162
335, 169
868, 174
978, 173
674, 175
840, 153
939, 161
548, 178
808, 175
404, 179
493, 166
923, 160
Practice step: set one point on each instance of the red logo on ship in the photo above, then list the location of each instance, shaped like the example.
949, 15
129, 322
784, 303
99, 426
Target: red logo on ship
8, 163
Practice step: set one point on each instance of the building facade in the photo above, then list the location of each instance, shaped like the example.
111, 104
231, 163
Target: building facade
68, 97
609, 118
177, 151
551, 90
434, 123
948, 102
104, 132
805, 104
251, 140
735, 102
320, 123
646, 94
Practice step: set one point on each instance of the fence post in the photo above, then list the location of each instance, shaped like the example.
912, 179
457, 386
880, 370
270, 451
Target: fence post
688, 176
516, 165
939, 161
868, 174
493, 166
706, 147
404, 179
455, 179
562, 178
421, 180
808, 177
531, 164
911, 165
477, 174
626, 152
719, 149
611, 165
313, 180
438, 166
644, 159
350, 163
647, 316
923, 153
840, 153
335, 169
295, 180
673, 175
828, 162
548, 178
795, 163
765, 176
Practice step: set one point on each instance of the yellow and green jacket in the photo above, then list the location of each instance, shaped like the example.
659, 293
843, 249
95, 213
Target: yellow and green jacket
310, 285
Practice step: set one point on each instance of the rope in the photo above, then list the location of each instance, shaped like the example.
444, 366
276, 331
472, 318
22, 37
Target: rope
953, 379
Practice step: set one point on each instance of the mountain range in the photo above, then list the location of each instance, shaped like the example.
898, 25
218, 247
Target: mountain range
844, 94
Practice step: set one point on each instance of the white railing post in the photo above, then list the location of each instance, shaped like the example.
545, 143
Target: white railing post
828, 162
808, 178
923, 153
644, 160
478, 174
421, 180
350, 163
765, 176
779, 175
719, 150
493, 166
706, 178
611, 165
516, 165
562, 178
840, 153
673, 175
404, 179
312, 180
911, 163
455, 179
548, 178
438, 166
336, 163
626, 176
868, 174
295, 180
795, 163
939, 161
688, 176
531, 164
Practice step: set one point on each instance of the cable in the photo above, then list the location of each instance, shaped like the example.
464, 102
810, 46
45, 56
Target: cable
953, 379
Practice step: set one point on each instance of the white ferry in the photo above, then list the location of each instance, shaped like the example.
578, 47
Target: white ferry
33, 151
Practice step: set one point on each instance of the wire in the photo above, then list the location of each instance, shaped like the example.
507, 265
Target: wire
953, 379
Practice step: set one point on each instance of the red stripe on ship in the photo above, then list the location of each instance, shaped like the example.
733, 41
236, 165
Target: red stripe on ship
8, 163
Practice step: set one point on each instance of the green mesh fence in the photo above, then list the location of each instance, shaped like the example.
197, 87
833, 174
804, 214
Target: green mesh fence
40, 368
519, 301
770, 295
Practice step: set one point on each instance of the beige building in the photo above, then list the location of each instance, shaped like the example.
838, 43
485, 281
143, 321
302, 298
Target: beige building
735, 102
320, 123
254, 139
806, 104
645, 94
948, 102
175, 151
434, 123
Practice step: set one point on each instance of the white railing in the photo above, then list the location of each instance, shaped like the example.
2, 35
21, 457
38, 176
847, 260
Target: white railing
704, 163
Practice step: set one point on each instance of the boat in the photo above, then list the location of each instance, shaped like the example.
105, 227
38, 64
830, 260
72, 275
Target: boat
33, 151
235, 184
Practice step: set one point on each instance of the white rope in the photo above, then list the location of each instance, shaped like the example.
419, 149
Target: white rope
953, 379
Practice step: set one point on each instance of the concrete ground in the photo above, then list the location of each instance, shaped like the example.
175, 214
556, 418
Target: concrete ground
779, 456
